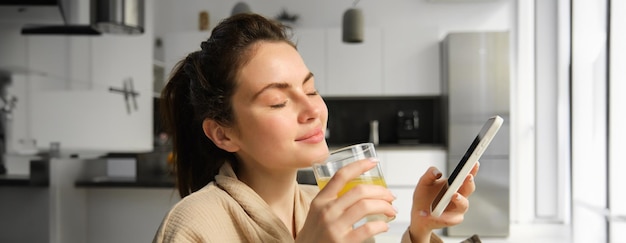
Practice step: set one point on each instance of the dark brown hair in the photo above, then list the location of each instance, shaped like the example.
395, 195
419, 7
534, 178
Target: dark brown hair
200, 87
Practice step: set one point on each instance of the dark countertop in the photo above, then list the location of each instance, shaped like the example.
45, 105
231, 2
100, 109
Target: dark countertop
125, 182
21, 180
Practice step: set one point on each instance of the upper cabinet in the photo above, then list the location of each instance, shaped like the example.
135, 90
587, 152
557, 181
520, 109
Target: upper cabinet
411, 61
395, 61
354, 69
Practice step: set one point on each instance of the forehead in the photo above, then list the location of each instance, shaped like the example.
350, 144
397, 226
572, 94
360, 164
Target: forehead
270, 62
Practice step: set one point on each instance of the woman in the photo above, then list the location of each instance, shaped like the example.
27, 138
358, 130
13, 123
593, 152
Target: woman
244, 116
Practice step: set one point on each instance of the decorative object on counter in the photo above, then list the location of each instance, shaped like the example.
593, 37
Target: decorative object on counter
286, 17
113, 165
203, 21
353, 24
55, 150
27, 146
241, 7
374, 132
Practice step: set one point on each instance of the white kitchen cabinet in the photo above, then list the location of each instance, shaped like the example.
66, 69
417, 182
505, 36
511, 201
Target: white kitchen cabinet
311, 44
354, 69
410, 60
403, 168
70, 94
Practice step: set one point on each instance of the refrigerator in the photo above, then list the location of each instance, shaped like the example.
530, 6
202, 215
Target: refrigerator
475, 86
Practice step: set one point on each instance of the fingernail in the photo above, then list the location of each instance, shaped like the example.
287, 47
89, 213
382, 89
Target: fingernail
458, 197
394, 196
437, 173
471, 178
374, 160
478, 164
394, 209
423, 213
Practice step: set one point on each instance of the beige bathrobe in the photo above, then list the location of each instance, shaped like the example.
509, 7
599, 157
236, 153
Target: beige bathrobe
227, 210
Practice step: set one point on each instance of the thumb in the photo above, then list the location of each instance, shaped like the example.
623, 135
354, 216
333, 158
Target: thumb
430, 176
425, 192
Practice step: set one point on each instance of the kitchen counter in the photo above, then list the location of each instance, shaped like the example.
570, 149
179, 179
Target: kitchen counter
125, 182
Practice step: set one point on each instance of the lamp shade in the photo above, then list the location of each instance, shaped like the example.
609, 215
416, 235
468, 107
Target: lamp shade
353, 26
240, 7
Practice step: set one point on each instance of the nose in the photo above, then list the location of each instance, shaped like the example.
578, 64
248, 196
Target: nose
311, 109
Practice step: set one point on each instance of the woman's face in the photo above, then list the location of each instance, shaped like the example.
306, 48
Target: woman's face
280, 117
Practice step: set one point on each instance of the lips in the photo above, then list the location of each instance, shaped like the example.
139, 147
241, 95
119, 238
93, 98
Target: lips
314, 136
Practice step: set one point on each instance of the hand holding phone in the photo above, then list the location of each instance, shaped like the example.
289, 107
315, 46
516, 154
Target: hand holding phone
463, 168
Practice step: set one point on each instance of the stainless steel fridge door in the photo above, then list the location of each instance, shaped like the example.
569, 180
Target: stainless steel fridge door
475, 86
488, 214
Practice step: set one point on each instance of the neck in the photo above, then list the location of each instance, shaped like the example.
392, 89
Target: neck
276, 188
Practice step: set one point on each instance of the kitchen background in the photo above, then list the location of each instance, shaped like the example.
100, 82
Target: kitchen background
64, 83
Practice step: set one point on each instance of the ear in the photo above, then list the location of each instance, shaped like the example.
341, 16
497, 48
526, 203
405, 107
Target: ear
219, 135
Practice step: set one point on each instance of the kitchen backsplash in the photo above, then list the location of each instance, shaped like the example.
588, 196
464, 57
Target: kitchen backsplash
350, 120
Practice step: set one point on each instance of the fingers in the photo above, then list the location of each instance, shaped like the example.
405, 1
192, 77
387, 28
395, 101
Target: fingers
468, 186
474, 170
367, 191
365, 231
430, 176
373, 210
362, 200
344, 175
454, 213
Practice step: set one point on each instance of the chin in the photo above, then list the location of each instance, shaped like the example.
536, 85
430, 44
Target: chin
320, 153
312, 153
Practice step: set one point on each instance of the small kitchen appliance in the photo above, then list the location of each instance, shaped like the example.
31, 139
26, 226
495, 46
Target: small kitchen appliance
408, 126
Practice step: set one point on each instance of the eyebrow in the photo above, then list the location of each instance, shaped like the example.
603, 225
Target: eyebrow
280, 85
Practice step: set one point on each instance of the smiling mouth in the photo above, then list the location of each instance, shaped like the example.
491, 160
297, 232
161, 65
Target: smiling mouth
314, 135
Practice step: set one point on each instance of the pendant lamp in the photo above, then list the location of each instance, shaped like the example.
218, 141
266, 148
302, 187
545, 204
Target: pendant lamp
352, 27
240, 7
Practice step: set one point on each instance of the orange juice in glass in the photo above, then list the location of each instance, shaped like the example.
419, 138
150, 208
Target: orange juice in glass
344, 156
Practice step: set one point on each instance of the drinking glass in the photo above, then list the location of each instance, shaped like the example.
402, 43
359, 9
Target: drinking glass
339, 158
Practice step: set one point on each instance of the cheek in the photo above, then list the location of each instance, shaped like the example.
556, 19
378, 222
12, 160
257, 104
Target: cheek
269, 125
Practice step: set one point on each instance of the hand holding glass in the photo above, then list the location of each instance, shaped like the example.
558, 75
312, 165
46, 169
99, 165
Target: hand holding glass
344, 156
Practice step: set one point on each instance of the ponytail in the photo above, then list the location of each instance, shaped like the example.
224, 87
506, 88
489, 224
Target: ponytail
196, 158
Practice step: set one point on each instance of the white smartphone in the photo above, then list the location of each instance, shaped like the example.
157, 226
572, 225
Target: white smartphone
466, 164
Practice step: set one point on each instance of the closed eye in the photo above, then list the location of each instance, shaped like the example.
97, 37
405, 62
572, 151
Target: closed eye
277, 106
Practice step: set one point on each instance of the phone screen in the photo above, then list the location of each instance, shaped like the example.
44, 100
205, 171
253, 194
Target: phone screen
469, 152
463, 161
